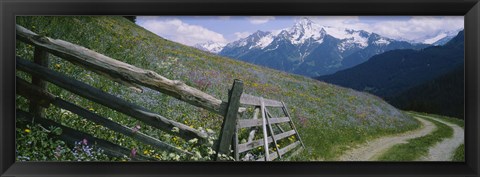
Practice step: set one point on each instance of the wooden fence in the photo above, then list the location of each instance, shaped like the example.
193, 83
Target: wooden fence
267, 120
122, 73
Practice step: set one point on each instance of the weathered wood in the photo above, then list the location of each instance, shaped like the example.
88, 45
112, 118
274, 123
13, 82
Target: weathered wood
245, 123
264, 126
272, 135
121, 72
236, 154
117, 127
70, 136
110, 101
228, 126
32, 92
282, 151
251, 135
255, 101
40, 57
285, 110
278, 125
43, 95
257, 143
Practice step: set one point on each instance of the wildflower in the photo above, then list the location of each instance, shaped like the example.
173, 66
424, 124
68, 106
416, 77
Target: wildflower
91, 109
85, 142
175, 129
136, 128
193, 141
145, 152
27, 130
210, 131
57, 66
133, 152
87, 150
58, 152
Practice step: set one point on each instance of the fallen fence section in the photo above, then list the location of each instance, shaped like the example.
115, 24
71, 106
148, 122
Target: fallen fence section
268, 134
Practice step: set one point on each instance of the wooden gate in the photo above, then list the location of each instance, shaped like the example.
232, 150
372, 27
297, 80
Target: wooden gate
269, 135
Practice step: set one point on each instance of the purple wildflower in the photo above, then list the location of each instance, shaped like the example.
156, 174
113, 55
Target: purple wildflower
136, 128
58, 152
133, 153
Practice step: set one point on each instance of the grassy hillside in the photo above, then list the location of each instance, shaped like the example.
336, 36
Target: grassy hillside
328, 118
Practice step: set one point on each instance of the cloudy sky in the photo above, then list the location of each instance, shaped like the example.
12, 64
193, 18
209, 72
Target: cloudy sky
191, 30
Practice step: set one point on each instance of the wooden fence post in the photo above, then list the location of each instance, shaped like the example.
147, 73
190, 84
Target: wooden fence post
40, 57
230, 120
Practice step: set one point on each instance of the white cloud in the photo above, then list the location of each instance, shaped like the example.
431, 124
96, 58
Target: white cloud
417, 28
178, 31
260, 19
240, 35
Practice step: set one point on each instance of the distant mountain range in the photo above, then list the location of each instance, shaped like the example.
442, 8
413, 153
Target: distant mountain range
440, 38
308, 48
395, 74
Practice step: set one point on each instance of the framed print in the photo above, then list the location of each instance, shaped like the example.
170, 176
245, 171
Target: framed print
254, 88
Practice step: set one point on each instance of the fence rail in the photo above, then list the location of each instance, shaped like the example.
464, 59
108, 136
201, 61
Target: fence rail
121, 72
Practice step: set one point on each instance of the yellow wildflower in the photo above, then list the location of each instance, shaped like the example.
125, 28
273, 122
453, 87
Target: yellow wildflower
27, 130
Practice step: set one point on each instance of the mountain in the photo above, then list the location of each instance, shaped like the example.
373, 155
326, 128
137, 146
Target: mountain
443, 95
210, 46
397, 71
310, 49
441, 38
326, 116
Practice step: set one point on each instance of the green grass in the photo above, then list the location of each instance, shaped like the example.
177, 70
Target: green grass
453, 120
459, 154
418, 147
328, 118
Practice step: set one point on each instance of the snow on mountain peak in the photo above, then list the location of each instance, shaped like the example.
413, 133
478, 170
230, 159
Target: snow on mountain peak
304, 30
210, 46
435, 38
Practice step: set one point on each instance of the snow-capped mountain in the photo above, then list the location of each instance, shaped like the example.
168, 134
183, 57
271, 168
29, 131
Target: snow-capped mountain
310, 49
210, 46
440, 38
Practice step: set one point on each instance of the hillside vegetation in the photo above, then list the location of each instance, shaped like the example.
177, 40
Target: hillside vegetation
328, 118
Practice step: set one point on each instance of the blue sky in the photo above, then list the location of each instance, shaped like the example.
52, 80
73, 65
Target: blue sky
190, 30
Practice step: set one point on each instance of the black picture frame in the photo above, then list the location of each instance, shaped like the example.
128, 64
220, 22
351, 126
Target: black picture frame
468, 8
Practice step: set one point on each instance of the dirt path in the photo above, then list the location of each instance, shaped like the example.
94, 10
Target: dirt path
444, 150
371, 150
